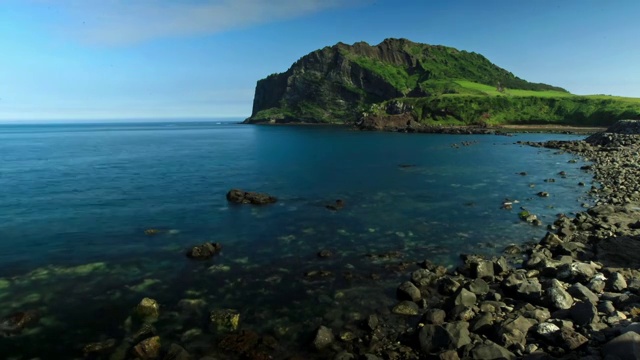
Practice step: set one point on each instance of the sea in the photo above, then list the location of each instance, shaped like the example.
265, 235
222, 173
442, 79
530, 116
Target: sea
77, 199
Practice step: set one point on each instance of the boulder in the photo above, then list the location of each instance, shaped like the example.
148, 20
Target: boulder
616, 282
571, 340
514, 331
248, 197
464, 297
491, 351
98, 349
148, 349
558, 296
584, 313
408, 308
450, 336
478, 287
408, 291
435, 316
581, 292
624, 347
148, 309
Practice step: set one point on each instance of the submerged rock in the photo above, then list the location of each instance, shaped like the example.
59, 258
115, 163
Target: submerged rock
148, 349
99, 348
324, 337
225, 319
16, 322
148, 309
338, 205
248, 197
204, 251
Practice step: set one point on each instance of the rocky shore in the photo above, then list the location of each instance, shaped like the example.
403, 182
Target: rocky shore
574, 295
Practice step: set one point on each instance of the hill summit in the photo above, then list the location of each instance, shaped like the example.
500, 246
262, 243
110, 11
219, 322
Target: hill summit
430, 83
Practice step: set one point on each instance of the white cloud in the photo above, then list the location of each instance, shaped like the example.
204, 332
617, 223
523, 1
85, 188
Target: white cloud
122, 22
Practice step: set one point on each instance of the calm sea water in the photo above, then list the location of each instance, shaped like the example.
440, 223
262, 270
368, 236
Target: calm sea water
75, 201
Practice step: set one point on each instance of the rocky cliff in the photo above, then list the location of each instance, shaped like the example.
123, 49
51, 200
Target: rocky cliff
337, 84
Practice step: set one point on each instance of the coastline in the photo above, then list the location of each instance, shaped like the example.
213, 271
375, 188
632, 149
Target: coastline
466, 310
470, 130
575, 294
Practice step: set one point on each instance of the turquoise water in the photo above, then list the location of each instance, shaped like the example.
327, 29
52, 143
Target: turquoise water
75, 201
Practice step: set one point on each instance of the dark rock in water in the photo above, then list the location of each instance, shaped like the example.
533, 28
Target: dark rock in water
16, 322
204, 251
317, 274
152, 232
224, 320
101, 348
324, 337
408, 291
408, 308
404, 166
339, 204
372, 322
325, 253
543, 194
512, 249
147, 309
240, 343
148, 349
248, 197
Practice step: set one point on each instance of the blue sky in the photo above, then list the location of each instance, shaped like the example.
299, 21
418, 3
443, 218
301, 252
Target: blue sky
107, 59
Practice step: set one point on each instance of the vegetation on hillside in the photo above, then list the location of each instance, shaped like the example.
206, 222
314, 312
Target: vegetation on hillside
441, 84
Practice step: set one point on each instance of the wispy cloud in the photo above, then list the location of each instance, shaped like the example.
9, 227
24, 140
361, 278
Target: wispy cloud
122, 22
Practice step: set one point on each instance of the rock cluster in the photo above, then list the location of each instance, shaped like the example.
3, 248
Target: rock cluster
576, 295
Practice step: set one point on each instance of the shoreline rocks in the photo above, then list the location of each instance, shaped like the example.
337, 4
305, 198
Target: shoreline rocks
569, 299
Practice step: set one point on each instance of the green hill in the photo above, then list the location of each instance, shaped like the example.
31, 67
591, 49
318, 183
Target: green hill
434, 84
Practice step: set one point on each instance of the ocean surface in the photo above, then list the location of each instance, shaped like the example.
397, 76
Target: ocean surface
76, 199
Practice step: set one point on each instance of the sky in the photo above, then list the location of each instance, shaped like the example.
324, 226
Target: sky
135, 59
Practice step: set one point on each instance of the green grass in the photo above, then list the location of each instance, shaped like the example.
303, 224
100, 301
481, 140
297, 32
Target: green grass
616, 98
500, 110
397, 76
492, 90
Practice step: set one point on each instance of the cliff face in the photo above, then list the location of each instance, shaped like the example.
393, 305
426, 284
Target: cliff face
337, 84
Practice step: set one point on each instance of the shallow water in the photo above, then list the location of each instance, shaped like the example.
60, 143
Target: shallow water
75, 201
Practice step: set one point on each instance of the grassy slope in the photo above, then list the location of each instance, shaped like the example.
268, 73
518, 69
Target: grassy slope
475, 103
